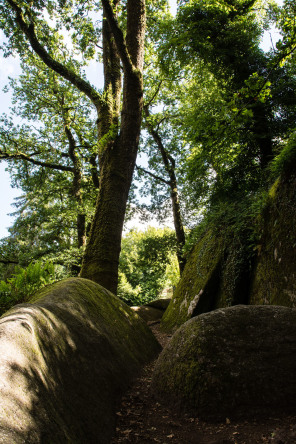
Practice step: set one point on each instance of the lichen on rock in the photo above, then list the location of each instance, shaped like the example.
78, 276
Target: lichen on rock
65, 358
200, 269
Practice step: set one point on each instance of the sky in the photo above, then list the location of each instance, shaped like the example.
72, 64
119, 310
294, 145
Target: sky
10, 67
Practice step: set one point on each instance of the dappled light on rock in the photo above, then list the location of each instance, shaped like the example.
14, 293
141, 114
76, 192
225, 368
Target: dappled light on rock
64, 361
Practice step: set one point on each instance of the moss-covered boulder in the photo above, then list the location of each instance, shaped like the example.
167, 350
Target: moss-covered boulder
217, 274
160, 304
154, 310
149, 314
275, 271
232, 362
226, 268
64, 361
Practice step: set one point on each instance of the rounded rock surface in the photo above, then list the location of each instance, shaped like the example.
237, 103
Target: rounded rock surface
232, 362
65, 359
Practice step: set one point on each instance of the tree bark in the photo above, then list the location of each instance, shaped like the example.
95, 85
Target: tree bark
117, 156
77, 191
117, 147
262, 134
169, 164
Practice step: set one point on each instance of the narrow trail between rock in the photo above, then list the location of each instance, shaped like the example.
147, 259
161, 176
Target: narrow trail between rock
141, 419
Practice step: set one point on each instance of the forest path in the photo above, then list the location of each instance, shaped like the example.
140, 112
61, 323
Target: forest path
141, 419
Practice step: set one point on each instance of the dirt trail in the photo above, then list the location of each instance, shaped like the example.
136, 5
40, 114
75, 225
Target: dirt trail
141, 419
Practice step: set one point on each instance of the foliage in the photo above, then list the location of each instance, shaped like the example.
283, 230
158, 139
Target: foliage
25, 281
235, 219
232, 103
195, 84
53, 161
148, 264
223, 108
286, 158
224, 34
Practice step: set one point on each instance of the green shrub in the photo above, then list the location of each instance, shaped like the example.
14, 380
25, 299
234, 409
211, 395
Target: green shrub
286, 158
24, 282
148, 264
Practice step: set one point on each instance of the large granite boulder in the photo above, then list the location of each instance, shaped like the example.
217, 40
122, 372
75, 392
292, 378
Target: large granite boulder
160, 304
275, 269
232, 362
65, 359
149, 314
216, 275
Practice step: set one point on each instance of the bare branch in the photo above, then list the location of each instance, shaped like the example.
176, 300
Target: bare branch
160, 179
168, 160
23, 156
154, 95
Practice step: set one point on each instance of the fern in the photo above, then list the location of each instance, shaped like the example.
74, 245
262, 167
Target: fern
24, 282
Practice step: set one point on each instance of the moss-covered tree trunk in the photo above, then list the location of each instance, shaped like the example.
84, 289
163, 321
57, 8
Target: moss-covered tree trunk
117, 138
118, 149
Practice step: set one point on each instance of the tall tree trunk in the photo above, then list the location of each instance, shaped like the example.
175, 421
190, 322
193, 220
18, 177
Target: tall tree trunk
117, 156
117, 150
262, 134
77, 178
169, 164
179, 229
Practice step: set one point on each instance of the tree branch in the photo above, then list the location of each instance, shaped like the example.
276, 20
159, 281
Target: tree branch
154, 95
68, 74
94, 170
167, 182
8, 261
168, 160
23, 156
118, 36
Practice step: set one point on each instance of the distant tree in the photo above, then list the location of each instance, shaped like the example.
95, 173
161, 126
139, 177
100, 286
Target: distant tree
148, 264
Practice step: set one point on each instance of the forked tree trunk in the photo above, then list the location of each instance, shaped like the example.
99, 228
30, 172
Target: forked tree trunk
117, 149
117, 155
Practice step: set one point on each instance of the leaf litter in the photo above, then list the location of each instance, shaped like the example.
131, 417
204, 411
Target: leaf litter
141, 419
